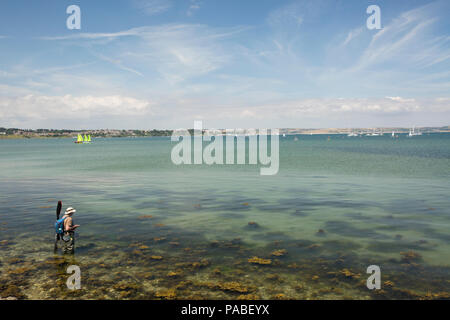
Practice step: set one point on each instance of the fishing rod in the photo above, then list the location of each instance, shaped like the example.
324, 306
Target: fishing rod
58, 210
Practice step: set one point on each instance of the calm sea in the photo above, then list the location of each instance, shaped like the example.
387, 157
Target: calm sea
151, 229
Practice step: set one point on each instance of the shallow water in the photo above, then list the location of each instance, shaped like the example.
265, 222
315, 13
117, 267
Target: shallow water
153, 230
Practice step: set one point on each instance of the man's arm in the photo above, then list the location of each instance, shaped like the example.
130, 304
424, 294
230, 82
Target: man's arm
69, 225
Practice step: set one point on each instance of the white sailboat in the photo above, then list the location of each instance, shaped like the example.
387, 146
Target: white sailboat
375, 134
413, 132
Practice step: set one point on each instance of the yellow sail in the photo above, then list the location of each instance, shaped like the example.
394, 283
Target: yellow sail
89, 138
85, 138
80, 138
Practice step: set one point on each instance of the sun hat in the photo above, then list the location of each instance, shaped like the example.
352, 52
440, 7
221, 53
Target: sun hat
70, 210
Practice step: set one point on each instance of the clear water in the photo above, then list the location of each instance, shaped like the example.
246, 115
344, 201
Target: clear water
376, 199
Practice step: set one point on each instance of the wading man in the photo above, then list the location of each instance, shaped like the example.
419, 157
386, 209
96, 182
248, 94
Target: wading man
65, 231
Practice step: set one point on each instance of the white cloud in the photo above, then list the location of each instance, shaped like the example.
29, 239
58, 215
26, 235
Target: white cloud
71, 107
181, 111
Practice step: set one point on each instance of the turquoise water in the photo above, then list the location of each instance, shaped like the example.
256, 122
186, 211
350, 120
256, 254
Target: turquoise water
373, 198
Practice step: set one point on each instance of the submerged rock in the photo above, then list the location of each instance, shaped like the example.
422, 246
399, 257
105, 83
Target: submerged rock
348, 274
168, 294
410, 256
9, 291
279, 253
200, 264
173, 274
256, 260
248, 297
145, 216
274, 277
388, 283
232, 286
9, 298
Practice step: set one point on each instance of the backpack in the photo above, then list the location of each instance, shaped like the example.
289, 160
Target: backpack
59, 226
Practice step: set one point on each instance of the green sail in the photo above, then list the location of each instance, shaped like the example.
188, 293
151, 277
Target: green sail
85, 138
89, 138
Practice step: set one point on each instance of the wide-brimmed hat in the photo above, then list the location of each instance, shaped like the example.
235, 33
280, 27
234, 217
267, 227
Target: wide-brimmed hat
70, 210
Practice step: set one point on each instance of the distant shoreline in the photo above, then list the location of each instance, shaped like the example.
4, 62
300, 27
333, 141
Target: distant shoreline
8, 134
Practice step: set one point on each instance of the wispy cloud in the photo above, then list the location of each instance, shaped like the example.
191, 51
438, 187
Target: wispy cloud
175, 51
118, 63
407, 40
290, 14
193, 7
153, 7
352, 34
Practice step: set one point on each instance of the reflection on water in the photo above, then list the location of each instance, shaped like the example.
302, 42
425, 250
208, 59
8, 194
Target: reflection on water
150, 230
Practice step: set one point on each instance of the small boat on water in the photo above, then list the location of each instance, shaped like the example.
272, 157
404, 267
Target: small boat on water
374, 134
413, 132
79, 139
86, 139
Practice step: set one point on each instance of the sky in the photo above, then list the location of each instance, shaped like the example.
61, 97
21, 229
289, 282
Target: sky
154, 64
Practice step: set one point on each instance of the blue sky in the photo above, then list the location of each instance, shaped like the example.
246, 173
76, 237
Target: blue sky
165, 63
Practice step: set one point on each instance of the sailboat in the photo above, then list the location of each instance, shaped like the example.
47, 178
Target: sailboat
414, 133
375, 134
85, 139
79, 139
